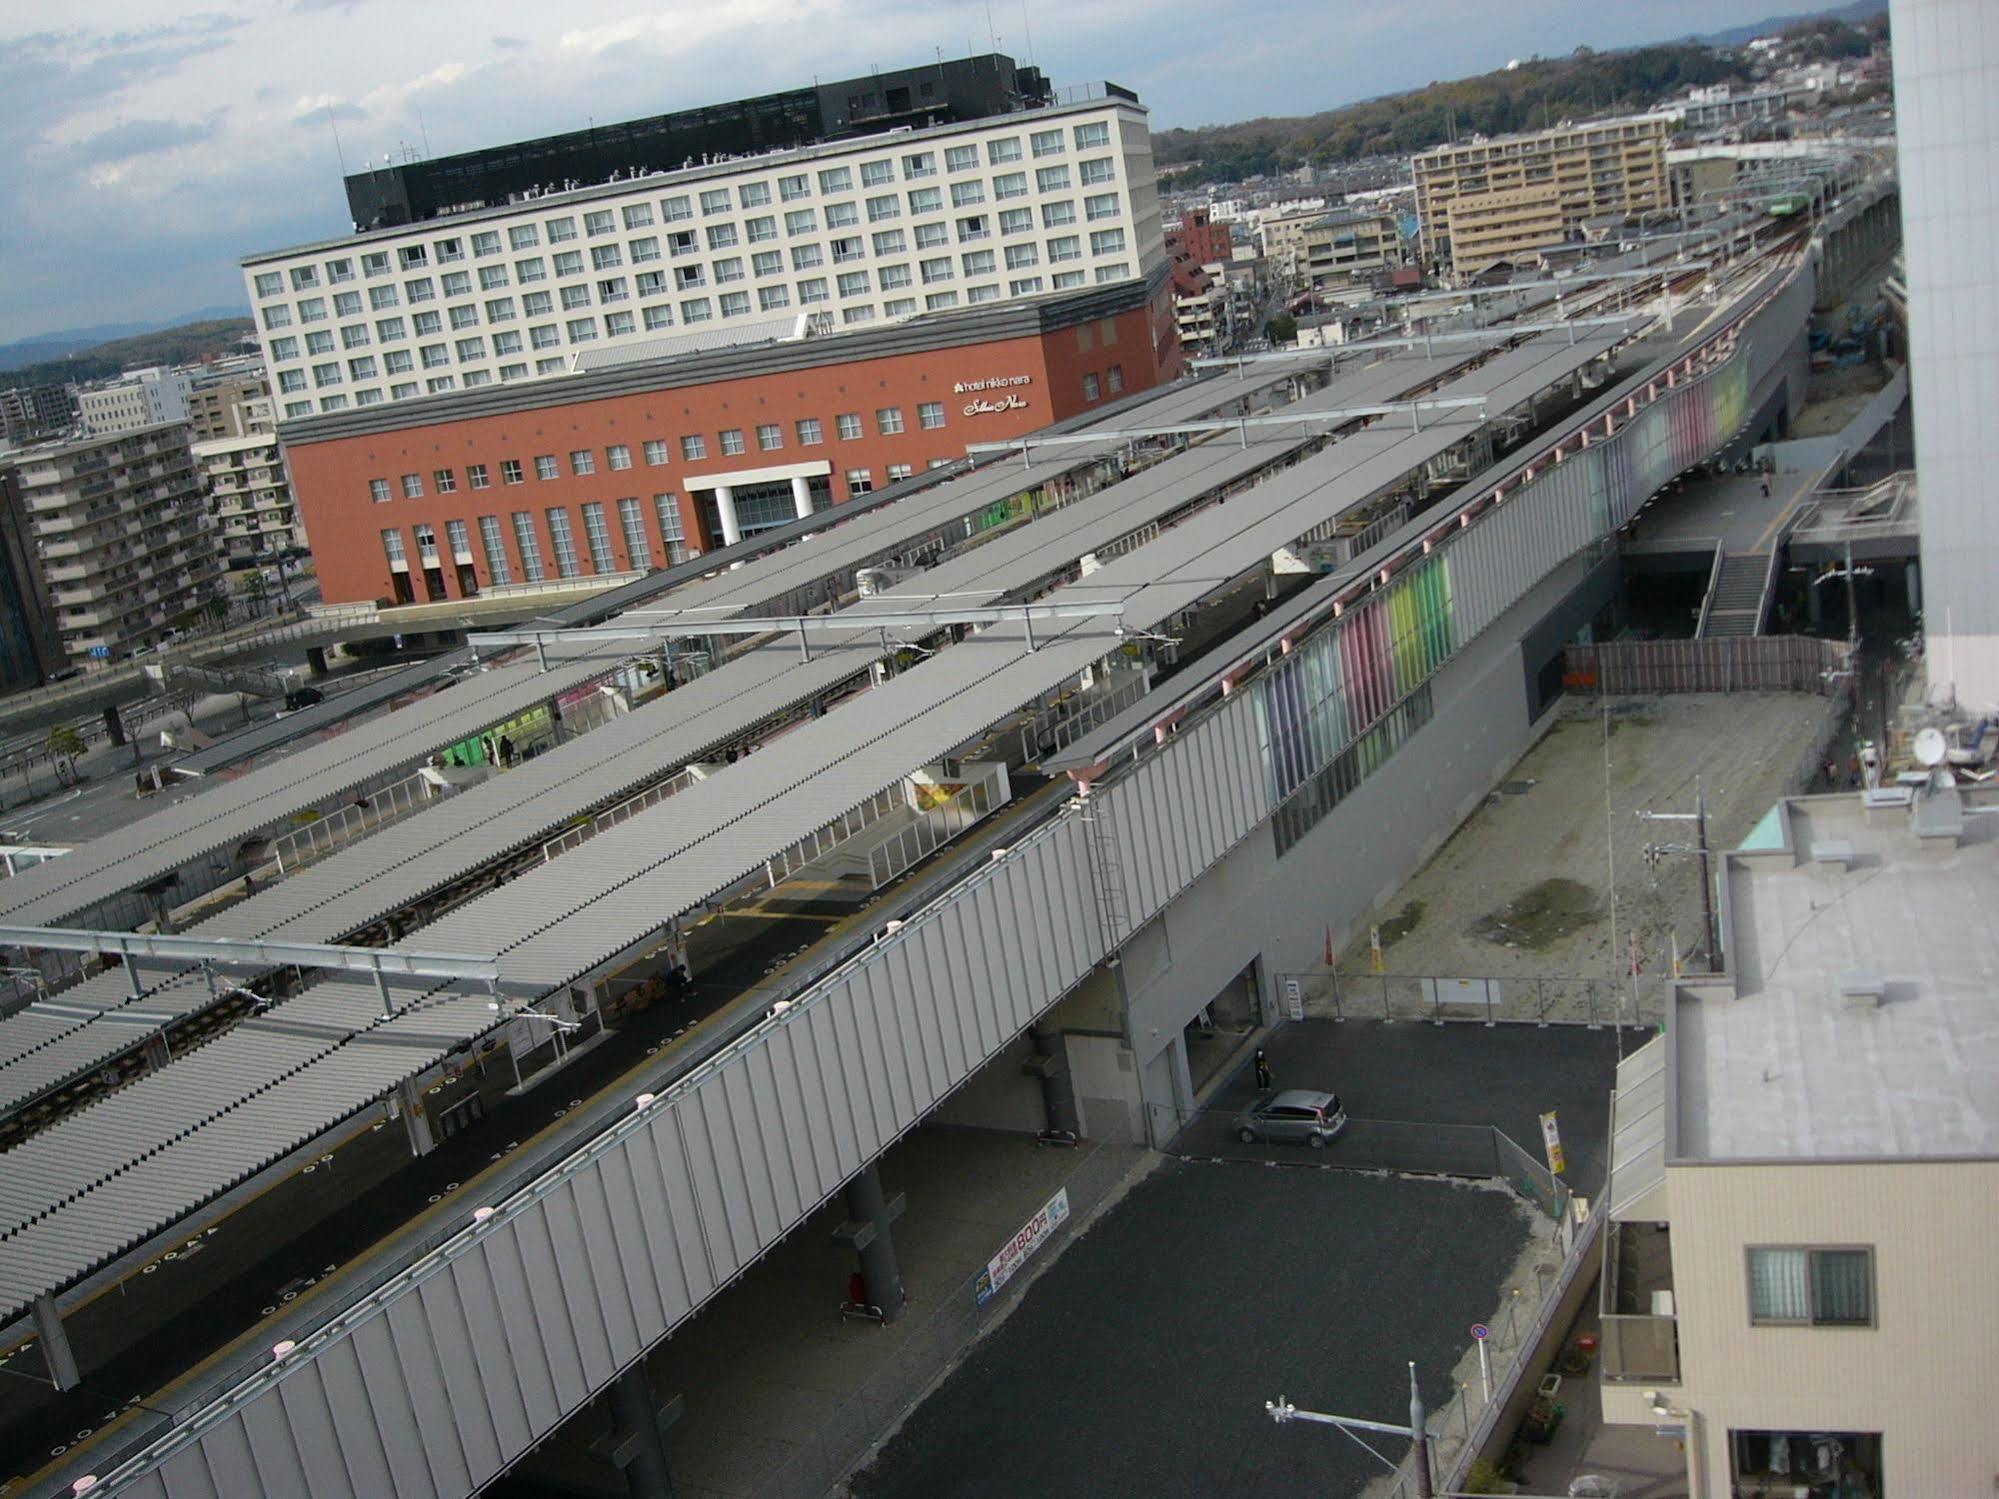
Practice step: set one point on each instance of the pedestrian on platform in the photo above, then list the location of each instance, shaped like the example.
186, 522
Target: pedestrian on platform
1262, 1071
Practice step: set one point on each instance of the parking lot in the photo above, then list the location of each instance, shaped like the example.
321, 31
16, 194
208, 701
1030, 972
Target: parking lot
1138, 1363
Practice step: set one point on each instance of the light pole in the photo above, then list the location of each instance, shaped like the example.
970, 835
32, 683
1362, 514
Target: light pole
1699, 849
1282, 1411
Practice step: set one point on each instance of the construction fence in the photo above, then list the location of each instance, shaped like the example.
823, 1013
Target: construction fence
1638, 1000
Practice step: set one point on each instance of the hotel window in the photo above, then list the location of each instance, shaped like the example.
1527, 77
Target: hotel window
565, 543
523, 237
1006, 148
513, 371
1010, 185
1047, 142
1097, 133
930, 415
1027, 286
732, 441
673, 209
754, 194
899, 307
347, 304
667, 508
419, 290
500, 310
597, 536
938, 301
529, 545
1016, 220
693, 447
475, 475
645, 250
560, 230
631, 520
510, 471
792, 188
974, 226
938, 269
613, 289
392, 548
1065, 247
1020, 257
412, 486
767, 263
1811, 1287
402, 390
888, 420
581, 330
842, 215
382, 298
538, 304
805, 257
304, 277
1107, 242
651, 283
427, 323
760, 230
1051, 179
961, 159
492, 277
770, 437
836, 180
456, 283
734, 303
889, 242
354, 336
398, 362
545, 336
1090, 388
606, 257
810, 434
1117, 270
326, 374
893, 277
304, 408
967, 194
433, 356
569, 263
375, 263
687, 277
682, 242
464, 317
1101, 206
813, 289
1054, 215
270, 283
729, 268
449, 250
888, 206
637, 215
919, 164
715, 200
478, 377
378, 490
859, 481
926, 200
1102, 169
877, 173
853, 283
1067, 280
582, 462
410, 257
312, 310
496, 551
773, 298
446, 481
846, 251
978, 263
848, 423
544, 466
930, 236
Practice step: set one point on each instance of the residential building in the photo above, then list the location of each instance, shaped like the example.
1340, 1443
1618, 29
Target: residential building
1282, 235
230, 399
29, 647
136, 399
645, 463
1946, 49
1500, 198
31, 411
1200, 307
1709, 108
842, 228
1205, 241
1350, 244
250, 498
1804, 1185
122, 530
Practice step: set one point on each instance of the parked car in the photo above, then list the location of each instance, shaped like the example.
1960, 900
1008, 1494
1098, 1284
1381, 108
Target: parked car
1295, 1115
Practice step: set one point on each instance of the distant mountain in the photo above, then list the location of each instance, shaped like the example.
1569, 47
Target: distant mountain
43, 348
1735, 36
176, 345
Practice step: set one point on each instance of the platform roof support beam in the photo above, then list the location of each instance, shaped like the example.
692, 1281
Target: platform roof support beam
1338, 417
1494, 335
232, 952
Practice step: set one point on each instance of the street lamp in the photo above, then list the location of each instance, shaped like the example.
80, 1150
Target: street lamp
1282, 1411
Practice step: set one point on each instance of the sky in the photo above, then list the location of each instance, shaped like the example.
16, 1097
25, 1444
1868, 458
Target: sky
147, 147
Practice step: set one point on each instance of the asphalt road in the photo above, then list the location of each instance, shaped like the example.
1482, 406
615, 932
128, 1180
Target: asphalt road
1139, 1363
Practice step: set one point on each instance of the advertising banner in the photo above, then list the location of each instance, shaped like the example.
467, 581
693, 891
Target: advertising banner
1032, 1235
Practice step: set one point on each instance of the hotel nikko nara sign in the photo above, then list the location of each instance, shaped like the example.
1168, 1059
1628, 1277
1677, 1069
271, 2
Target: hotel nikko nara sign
991, 405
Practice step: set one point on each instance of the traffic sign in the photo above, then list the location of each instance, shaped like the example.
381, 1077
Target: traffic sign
1480, 1331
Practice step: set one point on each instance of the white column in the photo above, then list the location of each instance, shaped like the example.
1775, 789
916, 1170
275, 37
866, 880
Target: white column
801, 495
725, 502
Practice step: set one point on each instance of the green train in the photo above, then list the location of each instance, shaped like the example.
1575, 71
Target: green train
1790, 205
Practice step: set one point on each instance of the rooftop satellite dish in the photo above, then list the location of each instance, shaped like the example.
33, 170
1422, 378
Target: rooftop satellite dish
1931, 748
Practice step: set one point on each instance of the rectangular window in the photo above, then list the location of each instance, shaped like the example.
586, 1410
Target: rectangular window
284, 348
889, 242
919, 164
382, 298
1065, 247
770, 437
378, 490
1101, 206
449, 250
1097, 133
500, 310
523, 237
655, 452
760, 230
470, 350
434, 356
938, 301
888, 420
375, 263
974, 226
801, 221
446, 481
848, 250
646, 249
853, 283
545, 336
1010, 185
1107, 242
651, 283
412, 486
842, 215
1102, 170
961, 159
732, 441
667, 508
805, 257
456, 284
534, 268
1068, 280
849, 424
938, 269
529, 546
773, 298
729, 268
1091, 390
1117, 270
877, 173
692, 448
836, 179
312, 310
304, 276
565, 544
1054, 215
392, 547
733, 303
496, 551
926, 200
347, 304
1016, 220
427, 324
1114, 379
582, 462
899, 471
597, 536
475, 475
809, 432
631, 521
606, 257
1051, 179
967, 194
722, 236
354, 336
637, 215
899, 307
569, 263
813, 289
270, 283
560, 230
510, 471
461, 540
767, 263
1811, 1287
1007, 148
1047, 142
618, 455
671, 210
893, 276
930, 416
888, 206
398, 362
492, 277
859, 481
753, 194
930, 236
1021, 257
581, 330
977, 262
544, 467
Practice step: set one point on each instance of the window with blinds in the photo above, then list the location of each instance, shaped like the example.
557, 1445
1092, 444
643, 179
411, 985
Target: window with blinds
1811, 1287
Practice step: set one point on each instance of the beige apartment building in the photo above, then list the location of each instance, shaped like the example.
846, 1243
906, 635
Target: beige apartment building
1497, 199
250, 497
230, 403
1350, 244
121, 525
1804, 1188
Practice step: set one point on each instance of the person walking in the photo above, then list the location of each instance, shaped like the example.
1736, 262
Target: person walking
1262, 1071
506, 752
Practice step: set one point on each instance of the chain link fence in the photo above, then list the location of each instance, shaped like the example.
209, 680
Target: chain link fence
1641, 1000
925, 1345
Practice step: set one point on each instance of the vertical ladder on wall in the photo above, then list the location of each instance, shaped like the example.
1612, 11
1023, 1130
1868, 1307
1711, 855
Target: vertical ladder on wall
1106, 871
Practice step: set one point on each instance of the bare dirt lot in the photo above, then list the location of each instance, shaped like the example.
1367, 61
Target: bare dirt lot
1523, 888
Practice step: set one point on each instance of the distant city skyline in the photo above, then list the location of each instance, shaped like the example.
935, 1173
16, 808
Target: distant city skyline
151, 149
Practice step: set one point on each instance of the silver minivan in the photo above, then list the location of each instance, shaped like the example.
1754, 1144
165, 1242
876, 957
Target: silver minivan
1297, 1115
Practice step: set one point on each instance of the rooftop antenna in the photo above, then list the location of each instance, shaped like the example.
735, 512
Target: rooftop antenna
991, 34
334, 125
425, 130
1027, 32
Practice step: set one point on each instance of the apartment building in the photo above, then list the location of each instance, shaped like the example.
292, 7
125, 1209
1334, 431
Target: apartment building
831, 235
121, 526
250, 498
1804, 1186
29, 647
30, 411
1350, 244
1281, 232
1496, 199
136, 399
230, 400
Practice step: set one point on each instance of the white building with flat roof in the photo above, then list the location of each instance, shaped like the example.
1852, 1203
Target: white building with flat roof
1804, 1187
138, 398
852, 232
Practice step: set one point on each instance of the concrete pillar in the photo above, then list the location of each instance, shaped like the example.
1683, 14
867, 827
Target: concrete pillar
801, 496
315, 661
1050, 1064
56, 1352
725, 505
636, 1442
866, 1232
416, 1123
156, 1051
114, 726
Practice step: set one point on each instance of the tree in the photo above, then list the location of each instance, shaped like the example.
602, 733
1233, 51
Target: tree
65, 745
1282, 329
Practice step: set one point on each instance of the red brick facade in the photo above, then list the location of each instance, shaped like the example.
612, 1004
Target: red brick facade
483, 471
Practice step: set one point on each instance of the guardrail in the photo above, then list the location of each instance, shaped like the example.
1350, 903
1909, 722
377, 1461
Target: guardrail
907, 846
624, 811
1486, 1000
314, 840
1729, 663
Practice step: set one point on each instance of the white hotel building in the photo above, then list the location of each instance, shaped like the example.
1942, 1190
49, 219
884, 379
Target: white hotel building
847, 233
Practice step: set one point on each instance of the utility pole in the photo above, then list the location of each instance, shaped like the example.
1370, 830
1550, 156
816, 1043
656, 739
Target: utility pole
1282, 1411
1699, 849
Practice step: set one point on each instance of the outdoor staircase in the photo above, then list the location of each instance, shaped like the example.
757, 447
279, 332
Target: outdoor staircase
1735, 598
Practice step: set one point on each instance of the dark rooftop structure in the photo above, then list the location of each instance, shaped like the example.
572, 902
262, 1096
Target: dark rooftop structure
936, 93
